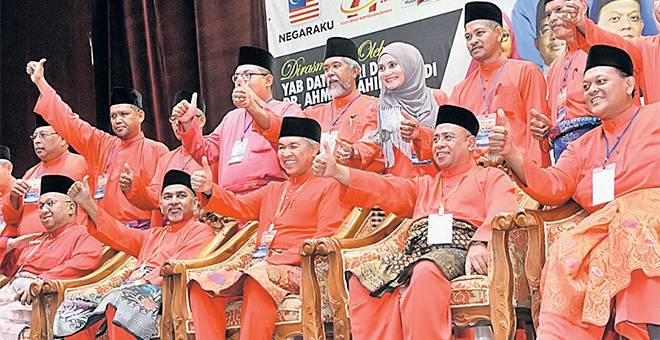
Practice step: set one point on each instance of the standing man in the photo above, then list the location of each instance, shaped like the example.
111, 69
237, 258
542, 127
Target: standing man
245, 160
21, 209
515, 86
644, 51
569, 115
347, 117
148, 197
105, 154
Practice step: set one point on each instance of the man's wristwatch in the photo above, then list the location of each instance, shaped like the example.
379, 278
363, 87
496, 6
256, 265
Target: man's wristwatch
476, 243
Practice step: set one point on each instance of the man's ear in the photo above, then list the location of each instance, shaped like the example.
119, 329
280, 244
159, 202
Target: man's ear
141, 115
269, 80
630, 85
471, 142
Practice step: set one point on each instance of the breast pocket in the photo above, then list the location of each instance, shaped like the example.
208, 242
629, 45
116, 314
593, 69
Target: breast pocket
508, 99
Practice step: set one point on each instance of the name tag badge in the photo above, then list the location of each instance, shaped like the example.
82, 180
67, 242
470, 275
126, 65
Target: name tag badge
238, 151
602, 184
32, 195
331, 138
266, 240
101, 182
485, 123
440, 229
416, 161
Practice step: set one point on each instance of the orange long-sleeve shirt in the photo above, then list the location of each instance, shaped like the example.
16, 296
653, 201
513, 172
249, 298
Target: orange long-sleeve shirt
636, 159
309, 207
351, 117
470, 193
25, 219
104, 154
570, 64
516, 87
68, 252
644, 52
152, 247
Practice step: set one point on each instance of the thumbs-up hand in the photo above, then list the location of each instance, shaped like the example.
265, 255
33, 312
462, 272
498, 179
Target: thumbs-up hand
242, 95
184, 112
499, 141
324, 164
79, 191
539, 125
126, 179
202, 180
574, 12
409, 127
36, 70
345, 151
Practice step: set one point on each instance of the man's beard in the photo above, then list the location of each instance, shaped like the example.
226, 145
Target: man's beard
338, 89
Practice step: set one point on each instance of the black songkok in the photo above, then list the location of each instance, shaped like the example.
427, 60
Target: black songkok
340, 47
125, 95
458, 116
301, 127
176, 177
248, 55
482, 10
605, 55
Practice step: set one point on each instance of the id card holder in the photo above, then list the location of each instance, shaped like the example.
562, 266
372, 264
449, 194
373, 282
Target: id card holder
331, 138
32, 195
415, 161
101, 182
602, 184
238, 151
485, 123
440, 229
264, 246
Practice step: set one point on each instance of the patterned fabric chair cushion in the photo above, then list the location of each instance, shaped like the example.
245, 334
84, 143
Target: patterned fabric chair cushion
289, 311
469, 290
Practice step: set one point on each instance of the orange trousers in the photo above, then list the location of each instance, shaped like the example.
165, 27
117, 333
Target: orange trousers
257, 317
114, 332
419, 310
636, 306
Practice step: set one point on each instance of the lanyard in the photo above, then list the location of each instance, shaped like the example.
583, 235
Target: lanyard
566, 68
114, 152
334, 123
280, 207
492, 90
608, 151
446, 197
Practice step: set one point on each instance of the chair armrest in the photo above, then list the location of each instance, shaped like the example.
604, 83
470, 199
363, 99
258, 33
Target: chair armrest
325, 246
171, 267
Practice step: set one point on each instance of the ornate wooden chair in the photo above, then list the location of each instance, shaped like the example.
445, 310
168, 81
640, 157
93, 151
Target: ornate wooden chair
542, 228
289, 318
48, 295
474, 298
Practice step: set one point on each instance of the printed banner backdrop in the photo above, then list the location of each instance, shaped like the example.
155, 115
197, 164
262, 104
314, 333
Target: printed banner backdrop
298, 29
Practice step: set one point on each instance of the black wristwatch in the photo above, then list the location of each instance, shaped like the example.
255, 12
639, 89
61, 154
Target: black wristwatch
475, 243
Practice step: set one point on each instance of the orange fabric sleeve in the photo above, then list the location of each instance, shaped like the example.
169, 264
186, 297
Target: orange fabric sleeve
594, 35
116, 235
367, 189
370, 157
243, 207
272, 134
84, 260
198, 145
424, 145
499, 197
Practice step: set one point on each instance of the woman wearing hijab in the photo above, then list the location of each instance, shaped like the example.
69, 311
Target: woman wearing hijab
405, 104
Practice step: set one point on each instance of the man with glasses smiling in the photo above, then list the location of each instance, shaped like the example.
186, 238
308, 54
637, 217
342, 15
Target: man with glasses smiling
245, 161
63, 251
105, 154
20, 210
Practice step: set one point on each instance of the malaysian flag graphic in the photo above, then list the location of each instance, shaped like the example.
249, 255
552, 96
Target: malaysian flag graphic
303, 10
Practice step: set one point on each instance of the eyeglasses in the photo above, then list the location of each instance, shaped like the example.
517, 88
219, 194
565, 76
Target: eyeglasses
246, 76
51, 203
41, 135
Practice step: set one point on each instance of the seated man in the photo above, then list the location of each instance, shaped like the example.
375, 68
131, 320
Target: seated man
288, 213
406, 296
64, 251
612, 257
182, 237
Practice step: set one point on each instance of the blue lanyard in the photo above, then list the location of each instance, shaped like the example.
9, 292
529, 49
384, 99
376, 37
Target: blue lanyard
342, 111
492, 90
608, 151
